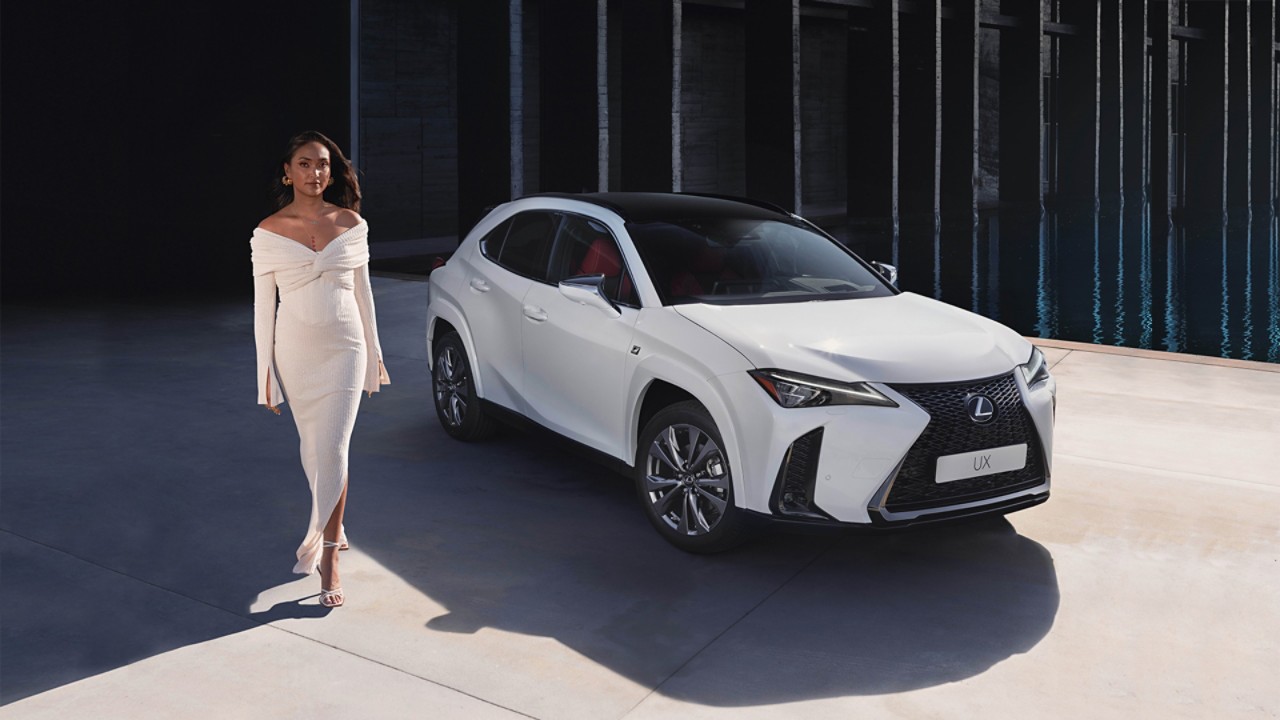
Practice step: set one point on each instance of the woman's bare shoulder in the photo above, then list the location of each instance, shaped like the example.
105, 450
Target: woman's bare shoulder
275, 222
347, 218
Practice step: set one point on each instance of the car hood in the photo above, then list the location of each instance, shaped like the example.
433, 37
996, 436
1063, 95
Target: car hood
904, 338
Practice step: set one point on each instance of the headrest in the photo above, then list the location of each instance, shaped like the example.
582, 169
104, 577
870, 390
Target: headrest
602, 259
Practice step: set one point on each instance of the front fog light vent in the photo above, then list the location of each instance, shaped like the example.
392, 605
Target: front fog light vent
793, 494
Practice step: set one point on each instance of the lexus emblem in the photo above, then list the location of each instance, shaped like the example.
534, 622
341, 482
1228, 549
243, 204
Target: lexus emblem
980, 408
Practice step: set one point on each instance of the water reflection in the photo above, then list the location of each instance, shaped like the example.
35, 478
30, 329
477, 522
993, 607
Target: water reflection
1111, 275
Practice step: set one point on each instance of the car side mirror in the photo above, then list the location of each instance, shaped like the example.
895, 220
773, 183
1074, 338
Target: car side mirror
589, 290
887, 271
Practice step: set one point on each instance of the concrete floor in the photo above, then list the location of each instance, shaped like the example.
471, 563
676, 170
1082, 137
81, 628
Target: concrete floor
149, 512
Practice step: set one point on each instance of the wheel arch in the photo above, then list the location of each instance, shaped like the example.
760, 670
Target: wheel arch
445, 319
661, 391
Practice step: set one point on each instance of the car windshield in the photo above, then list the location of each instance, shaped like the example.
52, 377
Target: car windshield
734, 261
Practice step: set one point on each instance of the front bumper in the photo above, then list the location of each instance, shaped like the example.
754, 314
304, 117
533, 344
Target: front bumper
874, 466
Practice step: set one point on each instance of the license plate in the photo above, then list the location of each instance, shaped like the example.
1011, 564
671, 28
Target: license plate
962, 466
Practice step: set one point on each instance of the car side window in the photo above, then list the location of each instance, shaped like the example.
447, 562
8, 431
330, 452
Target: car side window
491, 243
528, 243
586, 247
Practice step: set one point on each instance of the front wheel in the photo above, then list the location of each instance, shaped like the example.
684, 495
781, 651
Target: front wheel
684, 481
454, 389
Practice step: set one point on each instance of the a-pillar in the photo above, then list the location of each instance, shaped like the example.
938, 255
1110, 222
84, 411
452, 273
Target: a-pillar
872, 120
649, 92
484, 108
772, 106
573, 136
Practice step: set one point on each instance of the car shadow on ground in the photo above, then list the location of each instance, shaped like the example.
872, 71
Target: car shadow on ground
548, 544
147, 504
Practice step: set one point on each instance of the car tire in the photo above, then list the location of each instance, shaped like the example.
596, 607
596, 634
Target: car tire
453, 388
684, 482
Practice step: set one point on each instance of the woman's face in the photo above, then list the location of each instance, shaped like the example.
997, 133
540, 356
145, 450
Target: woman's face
309, 169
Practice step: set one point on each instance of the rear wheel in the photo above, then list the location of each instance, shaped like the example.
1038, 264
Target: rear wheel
457, 405
684, 481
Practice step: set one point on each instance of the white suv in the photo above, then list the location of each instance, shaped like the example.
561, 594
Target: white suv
739, 363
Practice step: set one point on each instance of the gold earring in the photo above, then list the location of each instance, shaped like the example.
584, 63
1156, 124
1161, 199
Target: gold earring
286, 180
329, 183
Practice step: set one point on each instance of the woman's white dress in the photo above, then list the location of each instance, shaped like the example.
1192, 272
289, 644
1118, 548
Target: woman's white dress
318, 351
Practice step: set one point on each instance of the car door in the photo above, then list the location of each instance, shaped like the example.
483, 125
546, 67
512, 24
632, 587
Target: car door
509, 257
574, 354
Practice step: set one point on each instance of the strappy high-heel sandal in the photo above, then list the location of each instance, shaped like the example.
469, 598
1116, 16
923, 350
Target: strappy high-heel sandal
332, 598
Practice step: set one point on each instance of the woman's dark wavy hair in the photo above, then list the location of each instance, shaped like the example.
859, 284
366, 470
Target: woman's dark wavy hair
345, 190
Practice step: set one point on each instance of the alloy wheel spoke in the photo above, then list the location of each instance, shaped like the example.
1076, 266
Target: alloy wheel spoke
715, 501
663, 504
719, 482
709, 448
658, 452
657, 483
684, 512
447, 361
673, 448
694, 435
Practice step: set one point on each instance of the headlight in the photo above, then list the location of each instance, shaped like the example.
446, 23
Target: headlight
1035, 370
792, 390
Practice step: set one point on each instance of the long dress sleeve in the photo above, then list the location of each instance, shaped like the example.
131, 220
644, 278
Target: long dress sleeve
376, 374
264, 335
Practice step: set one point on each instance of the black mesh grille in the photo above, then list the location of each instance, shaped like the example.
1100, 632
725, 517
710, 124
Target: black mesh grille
951, 431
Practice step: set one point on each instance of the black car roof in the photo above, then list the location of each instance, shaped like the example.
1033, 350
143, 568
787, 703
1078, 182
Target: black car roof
644, 207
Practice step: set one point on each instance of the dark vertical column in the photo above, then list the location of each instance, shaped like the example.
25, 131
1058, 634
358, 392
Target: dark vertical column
1021, 157
1111, 145
872, 118
1239, 246
1078, 105
1204, 109
484, 115
1205, 146
1159, 26
1160, 225
772, 96
872, 126
1021, 95
1239, 111
1111, 81
959, 157
918, 144
646, 94
1133, 99
570, 107
1263, 36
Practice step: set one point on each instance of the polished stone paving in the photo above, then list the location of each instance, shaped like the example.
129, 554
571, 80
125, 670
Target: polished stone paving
149, 512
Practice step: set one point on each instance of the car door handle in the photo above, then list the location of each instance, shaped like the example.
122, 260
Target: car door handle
479, 285
535, 313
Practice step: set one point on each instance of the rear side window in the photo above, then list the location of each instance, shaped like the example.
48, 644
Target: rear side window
491, 244
528, 244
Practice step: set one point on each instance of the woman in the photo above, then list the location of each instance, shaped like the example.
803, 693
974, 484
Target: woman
321, 348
